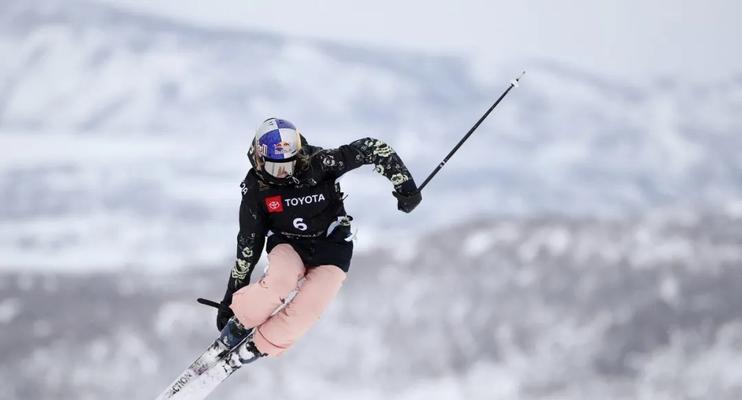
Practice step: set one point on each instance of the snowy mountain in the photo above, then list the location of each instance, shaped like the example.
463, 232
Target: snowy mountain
584, 243
78, 67
122, 136
511, 308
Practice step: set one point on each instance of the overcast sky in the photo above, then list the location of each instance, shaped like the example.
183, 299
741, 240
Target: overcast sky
627, 39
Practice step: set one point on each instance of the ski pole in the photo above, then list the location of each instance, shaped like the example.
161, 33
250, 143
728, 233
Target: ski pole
208, 302
513, 84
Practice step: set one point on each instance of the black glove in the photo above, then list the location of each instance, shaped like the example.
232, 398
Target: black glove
407, 201
225, 313
223, 316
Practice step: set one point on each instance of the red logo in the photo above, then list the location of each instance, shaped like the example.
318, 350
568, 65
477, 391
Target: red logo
282, 148
274, 204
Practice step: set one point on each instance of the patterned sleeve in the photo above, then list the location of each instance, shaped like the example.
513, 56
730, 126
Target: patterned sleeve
250, 239
369, 151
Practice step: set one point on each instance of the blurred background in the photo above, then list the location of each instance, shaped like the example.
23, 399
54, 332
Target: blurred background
586, 242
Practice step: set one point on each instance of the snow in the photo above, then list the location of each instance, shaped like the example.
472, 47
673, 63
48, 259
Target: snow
477, 244
555, 324
584, 243
174, 317
91, 151
9, 310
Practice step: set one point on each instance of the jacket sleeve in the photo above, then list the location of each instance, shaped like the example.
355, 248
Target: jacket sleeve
369, 151
250, 240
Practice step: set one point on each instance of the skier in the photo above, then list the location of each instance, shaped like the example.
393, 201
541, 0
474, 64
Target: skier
292, 204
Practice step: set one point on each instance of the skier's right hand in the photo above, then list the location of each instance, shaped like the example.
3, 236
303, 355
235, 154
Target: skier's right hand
225, 313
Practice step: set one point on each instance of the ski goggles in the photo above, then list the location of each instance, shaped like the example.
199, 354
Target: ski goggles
279, 169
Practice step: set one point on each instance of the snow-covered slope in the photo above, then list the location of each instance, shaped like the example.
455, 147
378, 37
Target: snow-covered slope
73, 66
122, 141
540, 308
122, 136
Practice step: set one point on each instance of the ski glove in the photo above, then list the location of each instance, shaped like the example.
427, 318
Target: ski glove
225, 313
408, 201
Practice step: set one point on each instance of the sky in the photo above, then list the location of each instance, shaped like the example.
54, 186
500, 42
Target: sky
623, 39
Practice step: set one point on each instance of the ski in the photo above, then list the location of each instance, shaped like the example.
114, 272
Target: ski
205, 383
232, 336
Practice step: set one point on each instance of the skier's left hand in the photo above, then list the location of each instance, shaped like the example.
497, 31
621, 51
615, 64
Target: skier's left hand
225, 313
408, 201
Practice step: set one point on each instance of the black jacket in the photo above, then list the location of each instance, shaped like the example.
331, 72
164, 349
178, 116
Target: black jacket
304, 210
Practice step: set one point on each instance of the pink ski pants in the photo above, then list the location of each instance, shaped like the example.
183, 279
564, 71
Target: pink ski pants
254, 304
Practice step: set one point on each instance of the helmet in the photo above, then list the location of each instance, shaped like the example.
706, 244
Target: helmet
275, 149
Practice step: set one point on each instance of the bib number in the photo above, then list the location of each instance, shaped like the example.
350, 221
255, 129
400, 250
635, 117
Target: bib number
299, 224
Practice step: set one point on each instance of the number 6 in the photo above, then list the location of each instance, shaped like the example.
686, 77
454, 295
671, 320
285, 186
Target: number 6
299, 224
